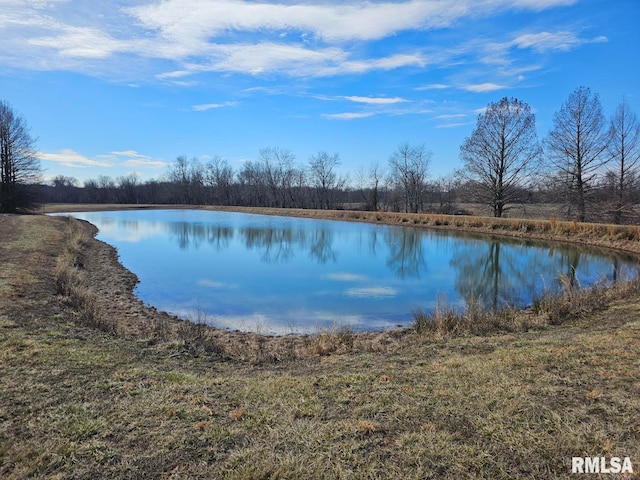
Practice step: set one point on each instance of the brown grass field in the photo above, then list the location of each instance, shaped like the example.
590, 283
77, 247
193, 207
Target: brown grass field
93, 384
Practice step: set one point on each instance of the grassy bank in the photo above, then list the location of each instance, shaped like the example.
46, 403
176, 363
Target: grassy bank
78, 402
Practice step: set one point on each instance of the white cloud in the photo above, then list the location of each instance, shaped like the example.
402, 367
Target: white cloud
70, 158
483, 87
453, 125
546, 41
241, 36
348, 115
375, 100
211, 106
81, 42
433, 86
451, 115
269, 57
129, 158
392, 62
139, 163
129, 153
192, 22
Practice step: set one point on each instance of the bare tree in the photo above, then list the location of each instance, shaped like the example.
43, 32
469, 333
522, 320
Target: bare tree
252, 183
368, 182
376, 175
277, 164
324, 178
409, 167
19, 163
180, 176
624, 148
218, 176
575, 146
502, 153
188, 178
65, 189
128, 188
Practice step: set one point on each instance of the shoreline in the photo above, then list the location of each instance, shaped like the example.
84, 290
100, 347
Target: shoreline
623, 238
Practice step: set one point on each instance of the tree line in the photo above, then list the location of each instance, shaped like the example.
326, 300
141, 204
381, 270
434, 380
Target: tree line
587, 163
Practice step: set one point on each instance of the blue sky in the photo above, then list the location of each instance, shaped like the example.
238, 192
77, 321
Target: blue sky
114, 87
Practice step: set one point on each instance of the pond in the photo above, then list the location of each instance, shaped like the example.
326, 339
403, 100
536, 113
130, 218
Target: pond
281, 275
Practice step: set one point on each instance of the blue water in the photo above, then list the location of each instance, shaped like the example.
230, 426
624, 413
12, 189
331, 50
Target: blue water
286, 275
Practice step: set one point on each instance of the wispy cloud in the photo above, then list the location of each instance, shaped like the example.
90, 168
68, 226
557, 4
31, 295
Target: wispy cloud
131, 158
348, 115
139, 163
82, 42
483, 87
375, 100
212, 106
448, 116
546, 41
249, 37
433, 86
127, 158
453, 125
72, 159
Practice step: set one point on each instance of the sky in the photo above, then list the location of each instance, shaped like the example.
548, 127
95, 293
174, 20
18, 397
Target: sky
113, 87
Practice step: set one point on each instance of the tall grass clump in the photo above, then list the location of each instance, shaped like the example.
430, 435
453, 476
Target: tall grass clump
337, 339
447, 321
196, 335
71, 282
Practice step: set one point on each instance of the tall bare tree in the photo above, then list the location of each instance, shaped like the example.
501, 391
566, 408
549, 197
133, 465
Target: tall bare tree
502, 153
409, 168
624, 148
19, 162
322, 169
575, 146
218, 177
279, 173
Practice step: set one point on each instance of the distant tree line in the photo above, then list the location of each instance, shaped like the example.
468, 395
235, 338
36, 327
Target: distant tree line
587, 164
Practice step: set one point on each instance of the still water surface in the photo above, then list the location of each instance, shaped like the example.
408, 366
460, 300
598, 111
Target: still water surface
288, 275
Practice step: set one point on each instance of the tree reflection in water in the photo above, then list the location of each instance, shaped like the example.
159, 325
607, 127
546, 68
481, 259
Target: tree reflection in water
406, 257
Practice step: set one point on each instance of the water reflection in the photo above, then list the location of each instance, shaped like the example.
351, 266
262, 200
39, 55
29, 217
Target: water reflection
406, 257
284, 275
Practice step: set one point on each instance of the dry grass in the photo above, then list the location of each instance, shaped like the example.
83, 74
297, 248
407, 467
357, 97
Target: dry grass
71, 280
447, 322
78, 403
